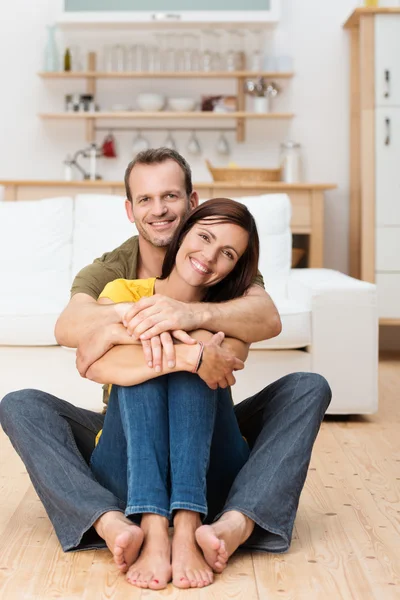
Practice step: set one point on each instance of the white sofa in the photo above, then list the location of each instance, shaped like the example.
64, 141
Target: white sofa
329, 320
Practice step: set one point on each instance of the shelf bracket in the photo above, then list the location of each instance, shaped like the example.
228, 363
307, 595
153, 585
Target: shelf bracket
91, 89
241, 106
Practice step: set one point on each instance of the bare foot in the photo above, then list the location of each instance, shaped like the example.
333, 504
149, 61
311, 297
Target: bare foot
220, 540
189, 568
123, 538
153, 568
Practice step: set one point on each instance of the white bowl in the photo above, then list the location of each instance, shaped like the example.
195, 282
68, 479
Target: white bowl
150, 102
181, 104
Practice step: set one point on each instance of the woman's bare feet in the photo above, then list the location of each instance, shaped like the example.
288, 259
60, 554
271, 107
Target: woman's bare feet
123, 538
189, 569
153, 567
220, 540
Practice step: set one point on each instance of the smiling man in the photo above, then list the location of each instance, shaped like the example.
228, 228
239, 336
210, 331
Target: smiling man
280, 423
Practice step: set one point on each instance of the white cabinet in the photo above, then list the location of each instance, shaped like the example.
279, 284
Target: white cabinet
387, 64
375, 155
387, 165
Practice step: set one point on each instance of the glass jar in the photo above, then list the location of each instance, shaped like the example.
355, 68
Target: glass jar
291, 162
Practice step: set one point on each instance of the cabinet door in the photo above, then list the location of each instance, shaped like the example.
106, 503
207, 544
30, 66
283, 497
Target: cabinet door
387, 156
387, 64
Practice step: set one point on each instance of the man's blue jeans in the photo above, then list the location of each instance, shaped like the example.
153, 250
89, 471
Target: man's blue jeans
154, 451
56, 439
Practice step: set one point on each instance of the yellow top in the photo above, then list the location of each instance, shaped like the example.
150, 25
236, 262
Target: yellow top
127, 290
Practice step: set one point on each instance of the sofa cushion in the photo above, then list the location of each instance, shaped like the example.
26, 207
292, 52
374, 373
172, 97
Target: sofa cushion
100, 225
35, 266
296, 327
272, 213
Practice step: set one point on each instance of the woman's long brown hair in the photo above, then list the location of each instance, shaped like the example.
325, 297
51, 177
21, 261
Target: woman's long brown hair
221, 210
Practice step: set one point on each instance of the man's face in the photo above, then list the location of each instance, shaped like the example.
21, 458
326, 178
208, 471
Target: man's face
159, 201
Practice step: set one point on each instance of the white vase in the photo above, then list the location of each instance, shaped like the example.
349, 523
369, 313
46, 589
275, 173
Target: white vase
51, 53
261, 104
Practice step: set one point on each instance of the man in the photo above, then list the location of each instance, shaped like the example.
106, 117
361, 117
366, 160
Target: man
55, 439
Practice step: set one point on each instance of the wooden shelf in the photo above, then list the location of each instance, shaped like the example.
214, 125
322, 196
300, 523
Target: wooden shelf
164, 75
354, 19
245, 185
164, 115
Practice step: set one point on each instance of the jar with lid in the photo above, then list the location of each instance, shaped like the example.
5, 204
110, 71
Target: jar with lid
291, 162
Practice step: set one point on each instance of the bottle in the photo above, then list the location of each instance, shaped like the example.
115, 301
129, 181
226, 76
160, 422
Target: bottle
67, 60
290, 162
68, 168
51, 54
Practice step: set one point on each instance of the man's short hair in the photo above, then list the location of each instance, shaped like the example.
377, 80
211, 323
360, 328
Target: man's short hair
157, 156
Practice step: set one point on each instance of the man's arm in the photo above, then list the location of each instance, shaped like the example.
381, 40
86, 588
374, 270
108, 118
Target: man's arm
251, 318
83, 316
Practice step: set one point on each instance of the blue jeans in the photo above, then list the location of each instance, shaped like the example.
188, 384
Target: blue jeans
55, 440
154, 451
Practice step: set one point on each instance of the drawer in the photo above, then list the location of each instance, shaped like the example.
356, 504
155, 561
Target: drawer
388, 295
388, 249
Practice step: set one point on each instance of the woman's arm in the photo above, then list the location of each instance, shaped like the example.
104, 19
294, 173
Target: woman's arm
126, 365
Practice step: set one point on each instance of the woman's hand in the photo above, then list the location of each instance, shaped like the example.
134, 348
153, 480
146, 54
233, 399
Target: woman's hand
163, 344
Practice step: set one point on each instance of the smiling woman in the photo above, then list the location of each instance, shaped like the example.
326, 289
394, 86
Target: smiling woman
219, 240
154, 450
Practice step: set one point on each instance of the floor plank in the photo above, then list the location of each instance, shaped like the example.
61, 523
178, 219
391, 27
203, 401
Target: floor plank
346, 543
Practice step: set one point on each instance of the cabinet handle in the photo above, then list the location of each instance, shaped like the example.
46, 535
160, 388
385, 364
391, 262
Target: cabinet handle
388, 133
166, 17
387, 84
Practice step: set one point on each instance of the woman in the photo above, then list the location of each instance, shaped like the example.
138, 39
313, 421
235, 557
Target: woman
154, 450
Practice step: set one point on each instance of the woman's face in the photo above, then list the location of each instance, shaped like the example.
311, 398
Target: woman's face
210, 252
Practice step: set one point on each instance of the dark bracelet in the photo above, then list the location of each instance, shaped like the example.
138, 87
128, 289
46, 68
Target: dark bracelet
199, 358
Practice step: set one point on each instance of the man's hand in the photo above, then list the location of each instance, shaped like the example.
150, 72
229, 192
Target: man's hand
152, 316
93, 347
218, 364
155, 347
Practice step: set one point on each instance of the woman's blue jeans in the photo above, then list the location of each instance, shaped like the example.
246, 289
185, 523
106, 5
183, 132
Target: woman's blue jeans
154, 451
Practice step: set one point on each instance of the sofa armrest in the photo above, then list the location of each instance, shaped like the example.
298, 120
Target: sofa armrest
344, 324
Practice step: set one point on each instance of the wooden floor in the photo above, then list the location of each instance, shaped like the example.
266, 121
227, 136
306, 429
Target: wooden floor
346, 542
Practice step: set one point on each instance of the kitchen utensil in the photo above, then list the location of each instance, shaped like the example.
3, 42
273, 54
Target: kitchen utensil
238, 174
291, 162
140, 143
193, 147
170, 142
181, 104
150, 102
118, 58
108, 146
223, 147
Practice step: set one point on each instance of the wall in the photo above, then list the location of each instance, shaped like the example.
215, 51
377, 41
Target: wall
311, 30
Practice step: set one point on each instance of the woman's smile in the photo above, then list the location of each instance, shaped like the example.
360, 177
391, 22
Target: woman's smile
199, 267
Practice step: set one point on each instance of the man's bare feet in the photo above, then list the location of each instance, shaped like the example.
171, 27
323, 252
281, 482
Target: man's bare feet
220, 540
153, 567
189, 569
123, 538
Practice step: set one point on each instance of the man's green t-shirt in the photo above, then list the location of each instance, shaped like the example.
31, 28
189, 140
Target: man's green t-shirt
120, 263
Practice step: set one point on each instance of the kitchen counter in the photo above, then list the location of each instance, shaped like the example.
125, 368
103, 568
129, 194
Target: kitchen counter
307, 201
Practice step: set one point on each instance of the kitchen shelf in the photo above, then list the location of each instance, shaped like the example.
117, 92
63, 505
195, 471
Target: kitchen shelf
92, 75
164, 115
165, 75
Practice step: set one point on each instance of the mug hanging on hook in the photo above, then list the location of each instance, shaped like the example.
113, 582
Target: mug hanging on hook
140, 143
109, 146
223, 147
193, 146
170, 142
